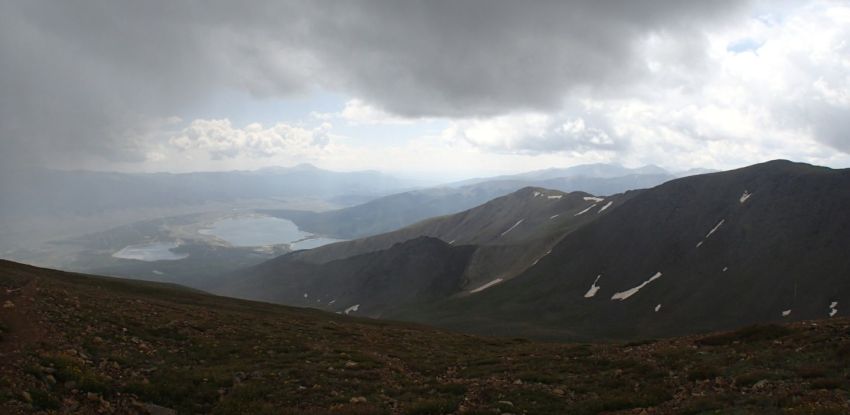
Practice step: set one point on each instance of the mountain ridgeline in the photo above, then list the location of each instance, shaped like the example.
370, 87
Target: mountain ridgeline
764, 243
483, 246
715, 251
395, 211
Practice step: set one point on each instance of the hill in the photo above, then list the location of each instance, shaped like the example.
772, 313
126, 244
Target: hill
760, 244
72, 343
500, 239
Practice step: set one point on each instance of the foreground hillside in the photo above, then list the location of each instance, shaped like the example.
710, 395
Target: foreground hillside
83, 344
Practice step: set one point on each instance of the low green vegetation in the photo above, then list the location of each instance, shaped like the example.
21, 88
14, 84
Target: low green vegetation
94, 344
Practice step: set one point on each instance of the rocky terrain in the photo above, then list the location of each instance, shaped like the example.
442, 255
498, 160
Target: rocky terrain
83, 344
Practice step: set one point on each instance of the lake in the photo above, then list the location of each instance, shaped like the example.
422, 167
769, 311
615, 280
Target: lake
255, 230
155, 251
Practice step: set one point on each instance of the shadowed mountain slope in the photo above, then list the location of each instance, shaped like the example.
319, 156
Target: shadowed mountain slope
764, 243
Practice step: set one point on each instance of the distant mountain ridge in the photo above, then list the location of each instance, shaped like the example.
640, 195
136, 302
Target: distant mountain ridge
398, 210
594, 170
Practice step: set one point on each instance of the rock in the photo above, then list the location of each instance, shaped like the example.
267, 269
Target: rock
349, 364
358, 399
154, 409
92, 396
8, 304
238, 377
518, 382
760, 384
558, 391
70, 404
26, 397
50, 379
506, 403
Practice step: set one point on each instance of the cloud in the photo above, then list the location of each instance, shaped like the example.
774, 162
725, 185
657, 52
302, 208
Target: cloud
535, 133
358, 112
650, 81
221, 140
76, 76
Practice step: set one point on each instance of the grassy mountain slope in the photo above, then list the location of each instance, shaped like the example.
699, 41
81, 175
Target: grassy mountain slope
81, 344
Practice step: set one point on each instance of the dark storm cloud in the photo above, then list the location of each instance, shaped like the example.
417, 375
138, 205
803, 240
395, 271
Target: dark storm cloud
87, 79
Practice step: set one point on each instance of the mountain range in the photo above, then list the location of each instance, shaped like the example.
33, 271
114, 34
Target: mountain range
440, 257
708, 252
392, 212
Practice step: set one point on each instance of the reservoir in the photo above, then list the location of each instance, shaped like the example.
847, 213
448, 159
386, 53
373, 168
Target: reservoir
256, 230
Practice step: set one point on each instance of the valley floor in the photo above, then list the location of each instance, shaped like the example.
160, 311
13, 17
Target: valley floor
82, 344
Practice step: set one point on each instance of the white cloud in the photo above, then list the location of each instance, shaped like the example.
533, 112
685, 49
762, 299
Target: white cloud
358, 112
776, 86
224, 141
533, 133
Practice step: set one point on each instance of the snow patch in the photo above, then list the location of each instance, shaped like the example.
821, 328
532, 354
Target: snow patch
452, 242
352, 308
715, 228
745, 196
593, 198
305, 295
593, 288
607, 205
585, 211
553, 216
628, 293
537, 194
512, 227
725, 269
658, 308
486, 286
541, 257
158, 272
331, 301
833, 308
554, 196
786, 313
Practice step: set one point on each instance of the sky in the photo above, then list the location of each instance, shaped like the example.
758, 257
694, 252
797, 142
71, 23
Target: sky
438, 89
